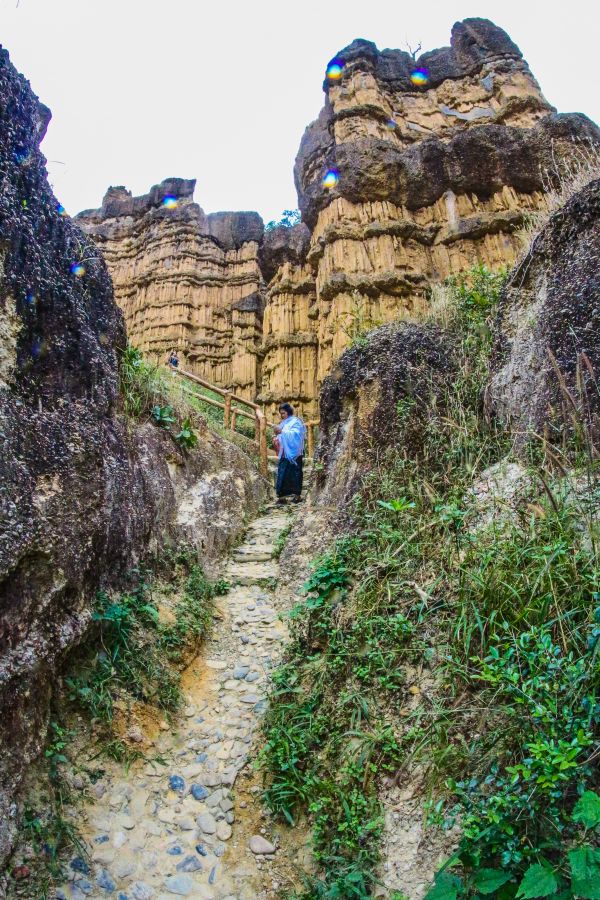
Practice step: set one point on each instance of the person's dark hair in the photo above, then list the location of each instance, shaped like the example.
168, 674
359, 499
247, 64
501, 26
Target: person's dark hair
286, 408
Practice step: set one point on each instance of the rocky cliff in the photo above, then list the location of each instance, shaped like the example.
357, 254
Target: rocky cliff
83, 496
185, 280
414, 170
547, 351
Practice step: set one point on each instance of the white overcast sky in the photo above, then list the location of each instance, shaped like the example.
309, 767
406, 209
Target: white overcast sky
221, 90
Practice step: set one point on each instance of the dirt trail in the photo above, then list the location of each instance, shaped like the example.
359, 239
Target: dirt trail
189, 827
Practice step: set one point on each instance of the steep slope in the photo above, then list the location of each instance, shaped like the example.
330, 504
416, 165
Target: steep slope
84, 495
437, 699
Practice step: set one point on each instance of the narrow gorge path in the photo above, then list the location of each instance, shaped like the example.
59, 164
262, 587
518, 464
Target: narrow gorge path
188, 827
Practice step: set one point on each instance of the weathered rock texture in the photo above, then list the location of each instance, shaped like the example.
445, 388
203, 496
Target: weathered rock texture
81, 497
185, 280
549, 323
432, 179
400, 363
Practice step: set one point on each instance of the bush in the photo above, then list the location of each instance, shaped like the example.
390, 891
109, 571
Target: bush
504, 616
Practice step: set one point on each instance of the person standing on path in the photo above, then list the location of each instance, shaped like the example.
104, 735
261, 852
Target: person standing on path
289, 443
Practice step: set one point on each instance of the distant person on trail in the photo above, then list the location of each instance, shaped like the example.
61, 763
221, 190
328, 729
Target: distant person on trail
289, 444
173, 361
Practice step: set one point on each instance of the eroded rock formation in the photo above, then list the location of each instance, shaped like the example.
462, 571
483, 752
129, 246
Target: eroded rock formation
435, 163
82, 496
185, 280
549, 323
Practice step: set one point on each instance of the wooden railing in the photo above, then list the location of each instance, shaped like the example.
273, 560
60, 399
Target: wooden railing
249, 410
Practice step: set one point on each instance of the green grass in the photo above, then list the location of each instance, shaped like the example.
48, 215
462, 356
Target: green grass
502, 617
131, 652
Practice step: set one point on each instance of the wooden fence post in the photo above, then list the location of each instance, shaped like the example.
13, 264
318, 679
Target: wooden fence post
233, 419
310, 435
261, 437
227, 410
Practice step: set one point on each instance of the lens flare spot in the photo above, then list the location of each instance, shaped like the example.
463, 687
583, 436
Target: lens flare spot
170, 202
331, 178
60, 209
335, 67
31, 300
20, 155
77, 269
420, 77
391, 124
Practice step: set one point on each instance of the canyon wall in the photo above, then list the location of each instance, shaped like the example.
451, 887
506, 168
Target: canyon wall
84, 495
414, 170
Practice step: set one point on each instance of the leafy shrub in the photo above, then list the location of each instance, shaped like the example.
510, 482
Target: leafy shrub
128, 655
506, 616
289, 218
186, 437
163, 416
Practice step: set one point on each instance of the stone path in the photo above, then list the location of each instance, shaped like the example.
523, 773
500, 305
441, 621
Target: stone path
171, 830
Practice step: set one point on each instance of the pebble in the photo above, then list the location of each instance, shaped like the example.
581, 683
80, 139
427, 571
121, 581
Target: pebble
207, 823
259, 845
179, 884
175, 851
189, 864
123, 868
78, 864
240, 672
141, 891
105, 881
201, 849
224, 831
252, 676
176, 783
199, 792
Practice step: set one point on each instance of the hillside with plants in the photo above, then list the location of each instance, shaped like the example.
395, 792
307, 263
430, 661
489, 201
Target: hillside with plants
447, 640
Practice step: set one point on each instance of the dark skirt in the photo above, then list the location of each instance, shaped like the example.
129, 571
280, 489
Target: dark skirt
289, 477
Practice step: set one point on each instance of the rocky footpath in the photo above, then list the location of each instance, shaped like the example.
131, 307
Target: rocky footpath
416, 169
84, 494
187, 822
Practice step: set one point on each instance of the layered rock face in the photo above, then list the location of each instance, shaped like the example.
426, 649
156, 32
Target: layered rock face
433, 177
82, 497
433, 164
185, 280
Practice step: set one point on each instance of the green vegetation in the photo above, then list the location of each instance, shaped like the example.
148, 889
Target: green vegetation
501, 613
178, 406
133, 651
289, 218
147, 393
281, 540
45, 828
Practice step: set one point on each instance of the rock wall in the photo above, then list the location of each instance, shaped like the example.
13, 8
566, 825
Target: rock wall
82, 496
433, 164
185, 280
549, 322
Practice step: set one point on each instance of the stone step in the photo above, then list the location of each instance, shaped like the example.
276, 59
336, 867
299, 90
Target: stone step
251, 554
250, 572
